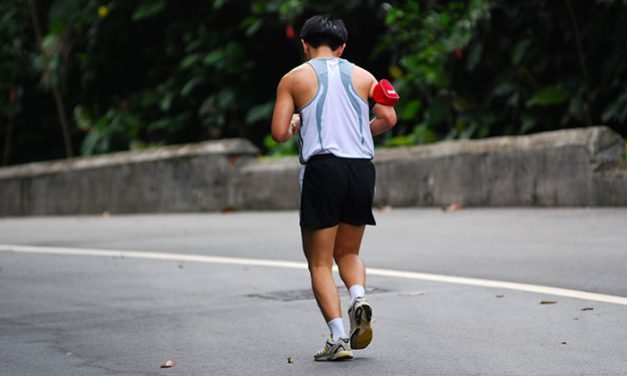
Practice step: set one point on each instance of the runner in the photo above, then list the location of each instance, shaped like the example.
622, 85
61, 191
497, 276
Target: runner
331, 97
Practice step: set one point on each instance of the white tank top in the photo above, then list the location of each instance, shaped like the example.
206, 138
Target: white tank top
336, 120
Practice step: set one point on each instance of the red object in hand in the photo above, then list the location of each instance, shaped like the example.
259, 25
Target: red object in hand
385, 94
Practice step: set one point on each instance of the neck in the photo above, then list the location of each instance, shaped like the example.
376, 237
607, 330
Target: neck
321, 52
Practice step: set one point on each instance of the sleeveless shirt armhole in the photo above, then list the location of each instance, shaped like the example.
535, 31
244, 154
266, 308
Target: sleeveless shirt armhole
352, 66
317, 90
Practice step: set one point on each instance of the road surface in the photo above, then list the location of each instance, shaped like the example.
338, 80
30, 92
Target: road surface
470, 292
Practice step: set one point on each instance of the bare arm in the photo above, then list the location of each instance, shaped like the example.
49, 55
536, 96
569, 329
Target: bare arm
385, 119
385, 116
283, 111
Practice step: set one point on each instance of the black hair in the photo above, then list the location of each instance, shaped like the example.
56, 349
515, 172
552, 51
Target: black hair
324, 30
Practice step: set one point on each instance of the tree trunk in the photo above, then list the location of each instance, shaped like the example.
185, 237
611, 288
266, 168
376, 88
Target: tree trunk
8, 141
56, 92
582, 60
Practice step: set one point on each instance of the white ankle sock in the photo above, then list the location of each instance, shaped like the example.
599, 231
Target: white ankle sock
356, 291
337, 329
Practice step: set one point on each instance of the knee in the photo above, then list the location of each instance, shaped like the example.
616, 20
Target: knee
340, 257
320, 267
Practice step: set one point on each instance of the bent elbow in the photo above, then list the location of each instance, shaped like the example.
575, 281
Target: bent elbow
387, 114
275, 136
280, 136
276, 131
391, 119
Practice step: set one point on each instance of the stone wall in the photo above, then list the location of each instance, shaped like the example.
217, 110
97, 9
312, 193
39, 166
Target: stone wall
187, 178
576, 167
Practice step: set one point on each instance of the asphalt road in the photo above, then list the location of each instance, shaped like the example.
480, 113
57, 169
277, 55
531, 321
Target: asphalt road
72, 310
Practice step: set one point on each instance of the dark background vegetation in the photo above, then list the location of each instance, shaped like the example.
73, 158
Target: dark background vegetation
84, 77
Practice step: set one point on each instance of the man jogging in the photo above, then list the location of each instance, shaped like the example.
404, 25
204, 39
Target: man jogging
331, 98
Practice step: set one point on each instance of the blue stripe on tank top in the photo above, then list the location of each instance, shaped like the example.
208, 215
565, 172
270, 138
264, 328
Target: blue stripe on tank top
346, 71
320, 66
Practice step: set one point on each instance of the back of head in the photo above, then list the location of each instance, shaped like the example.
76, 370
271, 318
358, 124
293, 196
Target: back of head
324, 30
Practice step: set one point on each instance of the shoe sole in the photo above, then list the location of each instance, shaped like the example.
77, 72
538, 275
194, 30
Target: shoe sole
339, 356
361, 335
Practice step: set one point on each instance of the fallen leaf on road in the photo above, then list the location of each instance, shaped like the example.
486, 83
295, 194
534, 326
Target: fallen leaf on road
455, 206
548, 302
168, 364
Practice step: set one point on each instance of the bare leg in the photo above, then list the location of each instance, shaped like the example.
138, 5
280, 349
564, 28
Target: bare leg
318, 246
353, 272
346, 254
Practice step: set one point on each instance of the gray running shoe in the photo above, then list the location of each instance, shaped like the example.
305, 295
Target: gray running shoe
360, 314
335, 350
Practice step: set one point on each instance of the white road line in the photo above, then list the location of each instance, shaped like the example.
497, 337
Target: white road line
583, 295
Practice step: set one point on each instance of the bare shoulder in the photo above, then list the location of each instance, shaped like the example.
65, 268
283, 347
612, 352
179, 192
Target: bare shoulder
362, 74
363, 81
300, 73
302, 84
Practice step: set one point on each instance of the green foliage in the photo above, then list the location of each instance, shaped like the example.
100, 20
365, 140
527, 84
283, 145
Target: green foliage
115, 130
15, 73
485, 67
275, 149
548, 96
14, 61
616, 109
148, 9
427, 42
421, 134
141, 73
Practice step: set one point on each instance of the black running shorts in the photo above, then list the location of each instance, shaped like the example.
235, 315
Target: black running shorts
337, 190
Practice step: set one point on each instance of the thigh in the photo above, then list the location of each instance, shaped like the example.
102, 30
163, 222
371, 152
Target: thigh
348, 239
318, 245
